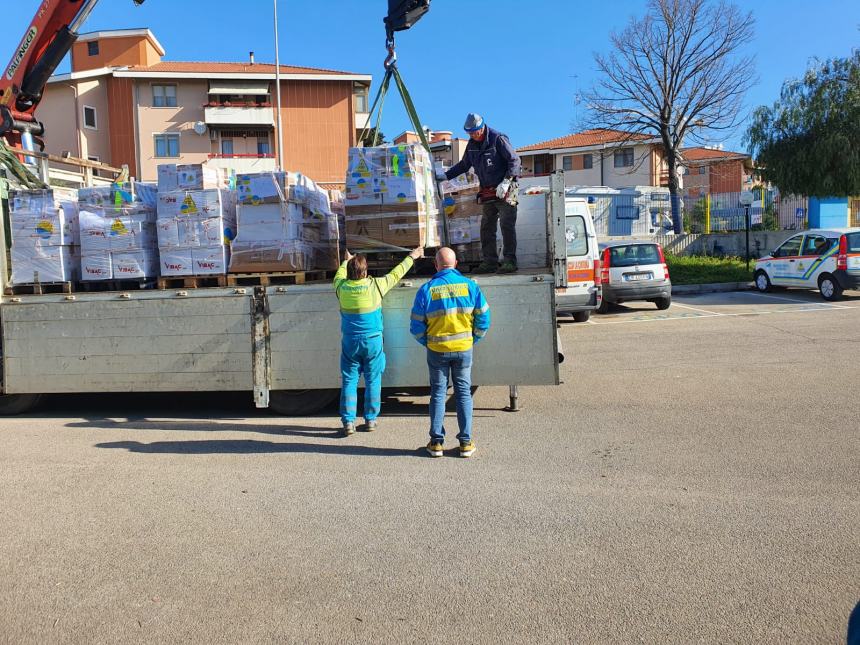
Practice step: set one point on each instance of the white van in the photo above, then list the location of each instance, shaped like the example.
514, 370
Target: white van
823, 259
583, 293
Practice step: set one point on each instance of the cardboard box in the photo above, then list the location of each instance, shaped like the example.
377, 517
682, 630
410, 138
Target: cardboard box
274, 256
261, 188
168, 178
405, 232
197, 203
41, 200
210, 260
107, 196
49, 228
135, 264
96, 266
175, 262
362, 234
45, 264
327, 257
200, 177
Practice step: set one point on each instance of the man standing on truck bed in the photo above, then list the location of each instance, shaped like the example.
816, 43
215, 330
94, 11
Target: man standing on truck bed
360, 300
497, 165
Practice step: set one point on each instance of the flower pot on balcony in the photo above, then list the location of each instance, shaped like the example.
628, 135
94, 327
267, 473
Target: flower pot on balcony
227, 104
212, 104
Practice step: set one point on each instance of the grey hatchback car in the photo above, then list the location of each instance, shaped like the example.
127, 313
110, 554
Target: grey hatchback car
632, 270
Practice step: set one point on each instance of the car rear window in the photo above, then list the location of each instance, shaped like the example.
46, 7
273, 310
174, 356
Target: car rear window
628, 256
853, 242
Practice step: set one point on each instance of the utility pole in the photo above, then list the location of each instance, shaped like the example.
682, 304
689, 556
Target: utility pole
280, 134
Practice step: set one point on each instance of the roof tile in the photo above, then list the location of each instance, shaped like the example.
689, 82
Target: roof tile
586, 138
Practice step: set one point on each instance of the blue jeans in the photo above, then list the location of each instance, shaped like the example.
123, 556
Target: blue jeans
361, 355
459, 366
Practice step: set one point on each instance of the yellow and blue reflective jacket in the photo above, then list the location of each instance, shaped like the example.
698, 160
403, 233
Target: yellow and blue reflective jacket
450, 313
361, 300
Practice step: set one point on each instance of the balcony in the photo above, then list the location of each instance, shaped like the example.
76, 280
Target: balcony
239, 115
243, 163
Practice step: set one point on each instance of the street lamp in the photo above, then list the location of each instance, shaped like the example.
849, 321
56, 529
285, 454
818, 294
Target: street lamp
746, 200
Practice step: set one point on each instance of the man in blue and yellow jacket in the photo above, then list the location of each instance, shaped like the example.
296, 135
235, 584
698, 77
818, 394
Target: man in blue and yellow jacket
360, 300
449, 316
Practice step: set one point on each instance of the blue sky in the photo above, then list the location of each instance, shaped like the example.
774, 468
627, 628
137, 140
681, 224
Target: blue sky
518, 63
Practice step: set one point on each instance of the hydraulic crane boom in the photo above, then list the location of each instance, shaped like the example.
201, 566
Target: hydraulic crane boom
52, 32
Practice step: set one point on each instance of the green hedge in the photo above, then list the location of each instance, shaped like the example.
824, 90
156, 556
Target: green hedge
697, 269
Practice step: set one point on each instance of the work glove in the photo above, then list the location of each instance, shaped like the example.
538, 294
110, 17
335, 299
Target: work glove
502, 189
440, 175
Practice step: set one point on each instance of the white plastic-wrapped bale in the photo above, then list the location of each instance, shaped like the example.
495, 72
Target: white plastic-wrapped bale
117, 234
391, 199
284, 224
194, 230
44, 228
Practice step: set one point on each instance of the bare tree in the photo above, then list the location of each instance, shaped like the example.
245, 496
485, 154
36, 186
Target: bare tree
675, 73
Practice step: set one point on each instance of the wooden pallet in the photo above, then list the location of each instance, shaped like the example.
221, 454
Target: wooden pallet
192, 282
116, 285
283, 278
39, 288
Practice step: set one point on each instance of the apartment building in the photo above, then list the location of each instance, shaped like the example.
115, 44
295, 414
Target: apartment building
123, 103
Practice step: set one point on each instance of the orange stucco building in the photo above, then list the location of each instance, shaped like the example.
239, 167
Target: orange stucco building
123, 103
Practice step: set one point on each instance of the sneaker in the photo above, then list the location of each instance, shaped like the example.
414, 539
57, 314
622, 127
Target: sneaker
434, 448
467, 448
348, 429
486, 267
370, 426
507, 267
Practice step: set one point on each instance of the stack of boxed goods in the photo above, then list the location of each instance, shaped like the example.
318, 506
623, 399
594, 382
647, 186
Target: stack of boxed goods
117, 233
464, 216
391, 199
285, 224
44, 227
196, 220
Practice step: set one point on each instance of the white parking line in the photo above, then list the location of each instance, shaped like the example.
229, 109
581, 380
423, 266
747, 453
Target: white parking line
668, 317
803, 302
678, 304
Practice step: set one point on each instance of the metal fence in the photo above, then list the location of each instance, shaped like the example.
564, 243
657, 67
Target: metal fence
723, 212
627, 212
646, 211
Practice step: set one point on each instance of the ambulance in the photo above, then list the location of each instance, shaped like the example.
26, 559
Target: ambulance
823, 259
583, 293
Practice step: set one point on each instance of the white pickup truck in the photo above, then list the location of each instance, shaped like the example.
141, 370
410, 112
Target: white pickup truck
279, 343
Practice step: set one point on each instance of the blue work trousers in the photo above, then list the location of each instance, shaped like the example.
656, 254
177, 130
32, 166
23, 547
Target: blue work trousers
459, 366
361, 355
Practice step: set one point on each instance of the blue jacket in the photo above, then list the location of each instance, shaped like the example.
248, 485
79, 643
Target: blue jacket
493, 159
450, 313
361, 300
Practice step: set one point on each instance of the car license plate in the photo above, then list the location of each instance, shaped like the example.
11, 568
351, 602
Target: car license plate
638, 276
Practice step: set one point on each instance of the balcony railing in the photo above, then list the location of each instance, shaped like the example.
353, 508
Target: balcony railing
239, 115
219, 155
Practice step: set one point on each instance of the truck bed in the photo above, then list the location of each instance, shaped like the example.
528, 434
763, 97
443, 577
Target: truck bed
246, 338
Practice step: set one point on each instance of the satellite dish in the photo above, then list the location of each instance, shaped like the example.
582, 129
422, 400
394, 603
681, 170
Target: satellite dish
200, 128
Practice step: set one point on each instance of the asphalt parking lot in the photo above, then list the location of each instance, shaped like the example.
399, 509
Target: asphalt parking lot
694, 479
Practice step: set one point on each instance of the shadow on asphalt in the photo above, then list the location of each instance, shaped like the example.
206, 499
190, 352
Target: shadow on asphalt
252, 447
221, 406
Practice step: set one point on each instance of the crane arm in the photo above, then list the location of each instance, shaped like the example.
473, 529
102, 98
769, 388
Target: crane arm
50, 36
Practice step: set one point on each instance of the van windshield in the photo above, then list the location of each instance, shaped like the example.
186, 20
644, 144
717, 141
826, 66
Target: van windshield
628, 256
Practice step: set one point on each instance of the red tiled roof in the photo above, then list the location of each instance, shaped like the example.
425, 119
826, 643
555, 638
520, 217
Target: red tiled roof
586, 138
188, 67
711, 154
